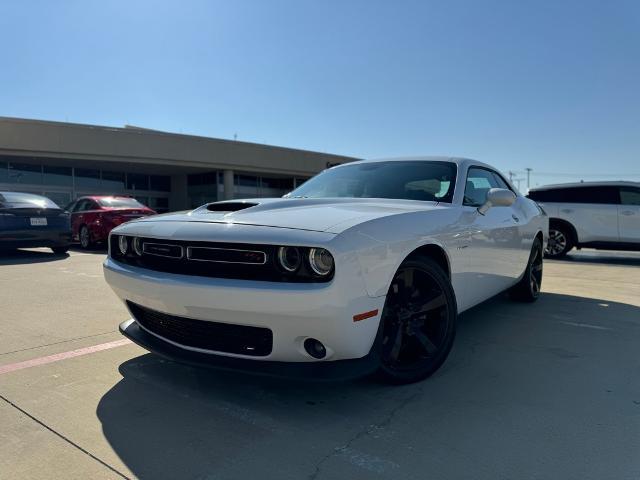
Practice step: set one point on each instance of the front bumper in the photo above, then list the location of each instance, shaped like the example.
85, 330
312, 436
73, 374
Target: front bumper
293, 312
338, 370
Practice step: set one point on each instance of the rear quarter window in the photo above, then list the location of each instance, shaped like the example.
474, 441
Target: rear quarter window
593, 195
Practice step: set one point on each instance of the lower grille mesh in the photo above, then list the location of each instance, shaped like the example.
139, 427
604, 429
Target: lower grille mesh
220, 337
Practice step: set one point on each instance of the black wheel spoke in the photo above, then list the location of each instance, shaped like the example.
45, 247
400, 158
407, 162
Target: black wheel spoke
428, 345
394, 354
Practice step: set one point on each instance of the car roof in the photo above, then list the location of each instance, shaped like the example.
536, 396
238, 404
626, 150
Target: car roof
616, 183
98, 197
459, 161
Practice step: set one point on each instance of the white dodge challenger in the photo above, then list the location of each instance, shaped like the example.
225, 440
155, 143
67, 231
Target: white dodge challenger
364, 268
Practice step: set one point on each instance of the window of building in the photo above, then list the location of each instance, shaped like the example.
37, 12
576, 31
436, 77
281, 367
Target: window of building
277, 183
160, 183
4, 172
246, 180
197, 179
25, 173
87, 178
159, 204
137, 181
113, 181
57, 176
60, 198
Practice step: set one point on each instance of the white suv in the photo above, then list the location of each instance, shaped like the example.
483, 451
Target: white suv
603, 215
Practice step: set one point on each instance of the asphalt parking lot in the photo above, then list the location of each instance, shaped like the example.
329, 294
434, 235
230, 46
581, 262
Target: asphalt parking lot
548, 390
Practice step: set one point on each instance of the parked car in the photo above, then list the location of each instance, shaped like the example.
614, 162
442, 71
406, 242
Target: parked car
28, 220
363, 268
93, 217
602, 215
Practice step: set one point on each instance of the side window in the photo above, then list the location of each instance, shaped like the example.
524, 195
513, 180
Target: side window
501, 183
81, 206
91, 205
479, 182
70, 206
629, 196
594, 195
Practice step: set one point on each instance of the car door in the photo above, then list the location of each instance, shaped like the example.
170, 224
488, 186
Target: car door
77, 215
629, 214
593, 211
495, 246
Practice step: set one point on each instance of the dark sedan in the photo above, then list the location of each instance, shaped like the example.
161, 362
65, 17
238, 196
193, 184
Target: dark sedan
28, 220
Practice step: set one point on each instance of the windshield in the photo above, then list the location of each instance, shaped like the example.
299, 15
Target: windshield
410, 180
120, 202
25, 200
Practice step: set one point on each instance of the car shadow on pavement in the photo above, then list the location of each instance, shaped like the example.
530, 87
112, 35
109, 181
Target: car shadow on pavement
99, 249
522, 383
19, 256
625, 259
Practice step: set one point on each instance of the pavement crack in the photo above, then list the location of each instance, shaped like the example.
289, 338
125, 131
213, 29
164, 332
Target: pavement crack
62, 437
385, 421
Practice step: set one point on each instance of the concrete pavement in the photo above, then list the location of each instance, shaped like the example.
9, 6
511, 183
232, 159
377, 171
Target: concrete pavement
549, 390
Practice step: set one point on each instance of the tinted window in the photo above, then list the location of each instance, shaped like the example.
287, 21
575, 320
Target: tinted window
161, 183
596, 195
411, 180
120, 202
57, 176
136, 181
25, 173
25, 200
86, 177
629, 196
4, 172
81, 206
479, 182
113, 181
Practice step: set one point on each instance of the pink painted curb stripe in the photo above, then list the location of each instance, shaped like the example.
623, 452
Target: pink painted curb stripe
12, 367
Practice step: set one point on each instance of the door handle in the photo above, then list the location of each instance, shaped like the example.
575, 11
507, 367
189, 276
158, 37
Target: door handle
627, 212
516, 219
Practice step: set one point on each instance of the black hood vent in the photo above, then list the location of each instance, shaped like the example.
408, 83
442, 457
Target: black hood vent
229, 206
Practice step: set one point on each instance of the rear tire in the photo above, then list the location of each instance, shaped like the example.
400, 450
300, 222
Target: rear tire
85, 237
60, 250
528, 288
560, 241
418, 322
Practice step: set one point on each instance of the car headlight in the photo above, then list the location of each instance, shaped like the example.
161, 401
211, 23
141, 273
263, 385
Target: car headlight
320, 261
289, 258
123, 244
137, 246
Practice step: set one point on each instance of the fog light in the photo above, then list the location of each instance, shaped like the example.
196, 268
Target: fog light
315, 348
123, 245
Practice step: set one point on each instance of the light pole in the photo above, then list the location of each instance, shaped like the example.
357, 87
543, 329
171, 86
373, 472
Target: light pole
528, 177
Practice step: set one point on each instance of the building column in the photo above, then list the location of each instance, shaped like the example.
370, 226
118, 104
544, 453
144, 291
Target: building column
179, 196
228, 184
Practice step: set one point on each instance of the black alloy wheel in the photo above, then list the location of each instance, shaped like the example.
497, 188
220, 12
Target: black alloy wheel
528, 288
418, 322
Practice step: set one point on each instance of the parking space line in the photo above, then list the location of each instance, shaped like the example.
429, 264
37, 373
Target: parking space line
12, 367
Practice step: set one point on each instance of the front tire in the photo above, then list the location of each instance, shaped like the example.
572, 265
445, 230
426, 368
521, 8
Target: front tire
528, 288
418, 322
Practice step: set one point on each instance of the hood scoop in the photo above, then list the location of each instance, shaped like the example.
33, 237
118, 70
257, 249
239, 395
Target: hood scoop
226, 207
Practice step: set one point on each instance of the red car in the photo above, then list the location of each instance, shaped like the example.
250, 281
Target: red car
92, 218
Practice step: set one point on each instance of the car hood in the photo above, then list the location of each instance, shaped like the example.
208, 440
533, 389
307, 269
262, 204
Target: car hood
315, 214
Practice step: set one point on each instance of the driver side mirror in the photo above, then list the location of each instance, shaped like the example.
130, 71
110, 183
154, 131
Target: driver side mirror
497, 197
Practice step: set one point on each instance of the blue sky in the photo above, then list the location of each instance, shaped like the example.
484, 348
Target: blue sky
554, 85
